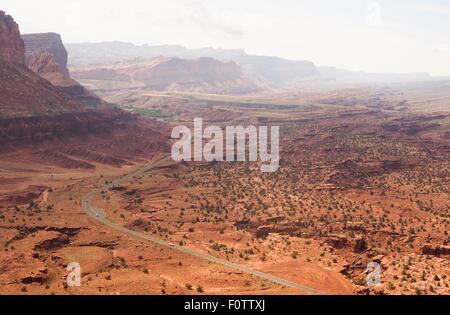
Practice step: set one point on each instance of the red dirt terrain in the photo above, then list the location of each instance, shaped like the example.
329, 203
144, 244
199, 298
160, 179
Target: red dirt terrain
356, 186
56, 146
364, 178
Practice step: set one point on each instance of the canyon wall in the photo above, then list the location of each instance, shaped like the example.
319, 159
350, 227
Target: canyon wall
45, 54
11, 45
168, 74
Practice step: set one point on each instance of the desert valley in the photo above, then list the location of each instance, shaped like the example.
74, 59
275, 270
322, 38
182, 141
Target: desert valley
86, 173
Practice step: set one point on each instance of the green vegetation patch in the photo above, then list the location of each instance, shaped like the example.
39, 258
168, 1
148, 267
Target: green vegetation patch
154, 113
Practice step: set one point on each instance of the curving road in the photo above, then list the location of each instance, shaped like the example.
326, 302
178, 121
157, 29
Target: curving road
100, 216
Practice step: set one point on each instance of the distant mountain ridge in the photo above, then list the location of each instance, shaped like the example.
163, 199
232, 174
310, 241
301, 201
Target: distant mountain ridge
203, 75
271, 71
107, 52
333, 73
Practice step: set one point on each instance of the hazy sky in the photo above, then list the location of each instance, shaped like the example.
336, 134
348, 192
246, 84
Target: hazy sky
376, 36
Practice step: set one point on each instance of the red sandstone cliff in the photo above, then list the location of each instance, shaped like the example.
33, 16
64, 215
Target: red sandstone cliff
23, 93
34, 112
44, 49
11, 45
46, 55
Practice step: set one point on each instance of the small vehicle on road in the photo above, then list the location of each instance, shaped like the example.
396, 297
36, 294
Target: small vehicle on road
172, 245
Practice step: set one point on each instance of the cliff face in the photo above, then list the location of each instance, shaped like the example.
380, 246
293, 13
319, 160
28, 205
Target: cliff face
46, 55
272, 71
182, 71
163, 71
44, 64
11, 45
22, 92
34, 113
39, 48
168, 74
32, 106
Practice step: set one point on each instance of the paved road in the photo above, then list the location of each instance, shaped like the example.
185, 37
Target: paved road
100, 216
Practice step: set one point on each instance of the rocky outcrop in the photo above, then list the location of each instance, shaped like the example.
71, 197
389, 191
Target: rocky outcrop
24, 231
38, 51
70, 231
47, 56
242, 224
286, 228
64, 121
359, 245
355, 226
44, 64
277, 219
337, 241
140, 224
354, 268
378, 259
53, 243
11, 45
277, 224
39, 276
263, 231
167, 74
25, 93
108, 243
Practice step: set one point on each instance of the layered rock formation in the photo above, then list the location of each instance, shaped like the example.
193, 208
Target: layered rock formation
25, 94
272, 71
277, 72
46, 55
168, 71
44, 64
11, 45
34, 112
169, 74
